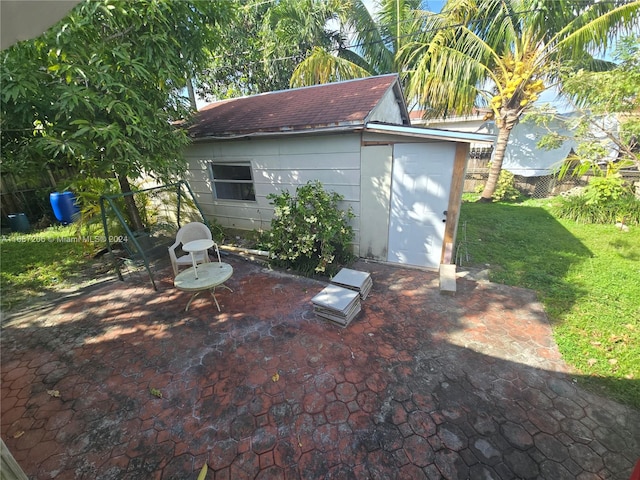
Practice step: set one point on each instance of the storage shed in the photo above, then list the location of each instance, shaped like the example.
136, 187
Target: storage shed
403, 183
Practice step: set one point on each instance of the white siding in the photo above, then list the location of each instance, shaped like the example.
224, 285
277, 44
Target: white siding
278, 164
375, 201
388, 110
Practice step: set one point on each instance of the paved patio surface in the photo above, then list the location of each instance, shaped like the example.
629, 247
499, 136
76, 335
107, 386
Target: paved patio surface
420, 385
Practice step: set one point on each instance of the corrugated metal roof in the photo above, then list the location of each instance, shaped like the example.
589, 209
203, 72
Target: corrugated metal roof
340, 104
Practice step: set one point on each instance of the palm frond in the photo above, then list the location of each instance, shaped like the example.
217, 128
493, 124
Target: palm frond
447, 74
353, 57
446, 81
368, 39
323, 67
594, 28
394, 18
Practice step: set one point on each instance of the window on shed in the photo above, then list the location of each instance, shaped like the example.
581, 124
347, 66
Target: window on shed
232, 181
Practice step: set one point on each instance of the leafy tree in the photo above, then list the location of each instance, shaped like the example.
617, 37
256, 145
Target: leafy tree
295, 28
100, 90
598, 95
365, 45
502, 54
597, 98
263, 44
236, 64
603, 147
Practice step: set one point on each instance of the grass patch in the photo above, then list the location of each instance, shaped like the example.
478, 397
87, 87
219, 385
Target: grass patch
581, 209
585, 275
36, 264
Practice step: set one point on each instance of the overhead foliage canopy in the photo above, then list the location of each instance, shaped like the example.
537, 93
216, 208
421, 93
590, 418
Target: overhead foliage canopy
100, 89
613, 91
264, 42
368, 44
500, 54
606, 120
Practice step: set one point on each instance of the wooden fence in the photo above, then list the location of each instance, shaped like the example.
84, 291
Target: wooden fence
30, 195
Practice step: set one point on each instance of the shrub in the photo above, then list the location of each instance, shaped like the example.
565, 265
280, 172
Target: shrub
309, 233
582, 209
602, 190
87, 191
506, 190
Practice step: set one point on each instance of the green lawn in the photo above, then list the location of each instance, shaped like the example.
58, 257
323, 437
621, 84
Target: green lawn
37, 264
587, 277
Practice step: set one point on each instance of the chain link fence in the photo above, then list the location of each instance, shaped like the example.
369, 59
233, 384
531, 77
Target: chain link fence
541, 186
534, 187
544, 186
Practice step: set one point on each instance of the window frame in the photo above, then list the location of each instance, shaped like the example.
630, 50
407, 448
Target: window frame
231, 163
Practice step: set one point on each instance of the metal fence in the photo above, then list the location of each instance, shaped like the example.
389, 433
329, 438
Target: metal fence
541, 186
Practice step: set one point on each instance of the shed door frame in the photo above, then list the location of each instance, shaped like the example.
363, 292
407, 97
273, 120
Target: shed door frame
421, 185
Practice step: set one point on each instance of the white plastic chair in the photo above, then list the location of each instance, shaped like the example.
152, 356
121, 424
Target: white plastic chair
188, 233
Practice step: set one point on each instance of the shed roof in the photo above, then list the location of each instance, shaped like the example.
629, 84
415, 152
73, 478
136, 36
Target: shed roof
430, 133
341, 104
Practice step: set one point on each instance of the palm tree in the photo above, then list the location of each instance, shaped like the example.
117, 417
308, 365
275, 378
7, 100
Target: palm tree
364, 45
501, 54
262, 44
294, 28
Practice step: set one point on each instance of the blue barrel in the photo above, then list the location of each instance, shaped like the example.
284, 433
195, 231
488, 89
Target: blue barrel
64, 206
19, 222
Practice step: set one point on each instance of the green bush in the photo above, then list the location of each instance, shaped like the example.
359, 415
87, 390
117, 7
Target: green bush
87, 191
309, 233
582, 209
603, 190
506, 190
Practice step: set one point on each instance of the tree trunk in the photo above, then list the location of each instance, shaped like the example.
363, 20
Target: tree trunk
504, 133
192, 94
132, 210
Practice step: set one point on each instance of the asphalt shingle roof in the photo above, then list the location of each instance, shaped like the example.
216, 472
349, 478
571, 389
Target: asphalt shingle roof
329, 105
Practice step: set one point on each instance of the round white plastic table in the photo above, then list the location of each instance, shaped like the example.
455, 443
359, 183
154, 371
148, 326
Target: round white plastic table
211, 275
196, 246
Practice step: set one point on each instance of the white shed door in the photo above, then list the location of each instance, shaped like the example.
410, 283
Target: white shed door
421, 180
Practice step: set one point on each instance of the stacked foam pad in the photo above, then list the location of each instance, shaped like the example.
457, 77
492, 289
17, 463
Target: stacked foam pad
340, 301
354, 280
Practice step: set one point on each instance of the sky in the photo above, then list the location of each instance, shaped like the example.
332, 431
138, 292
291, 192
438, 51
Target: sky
432, 5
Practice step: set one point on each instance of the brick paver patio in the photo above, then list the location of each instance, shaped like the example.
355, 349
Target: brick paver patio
121, 383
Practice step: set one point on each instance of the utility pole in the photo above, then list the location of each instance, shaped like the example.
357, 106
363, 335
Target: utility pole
397, 26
